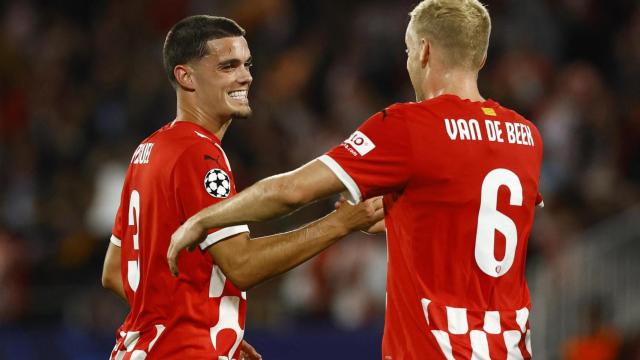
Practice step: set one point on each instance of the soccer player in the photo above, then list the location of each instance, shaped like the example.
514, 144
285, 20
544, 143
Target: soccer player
459, 174
177, 171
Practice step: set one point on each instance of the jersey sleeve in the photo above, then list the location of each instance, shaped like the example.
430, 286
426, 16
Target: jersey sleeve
374, 160
202, 177
539, 201
116, 231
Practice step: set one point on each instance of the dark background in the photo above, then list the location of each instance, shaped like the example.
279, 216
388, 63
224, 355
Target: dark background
82, 83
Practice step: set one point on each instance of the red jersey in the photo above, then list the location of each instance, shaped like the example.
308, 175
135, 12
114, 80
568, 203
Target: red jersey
174, 173
460, 184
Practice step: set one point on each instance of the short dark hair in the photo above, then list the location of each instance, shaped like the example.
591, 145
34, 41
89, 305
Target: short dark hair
187, 39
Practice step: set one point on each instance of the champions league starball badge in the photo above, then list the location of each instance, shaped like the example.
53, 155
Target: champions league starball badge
217, 183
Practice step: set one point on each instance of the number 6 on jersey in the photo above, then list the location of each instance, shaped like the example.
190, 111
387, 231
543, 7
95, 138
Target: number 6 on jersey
490, 220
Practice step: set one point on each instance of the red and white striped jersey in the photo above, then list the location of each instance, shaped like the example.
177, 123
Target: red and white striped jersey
460, 185
174, 173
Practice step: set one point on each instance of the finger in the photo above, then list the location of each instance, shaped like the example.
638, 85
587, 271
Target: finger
379, 214
377, 228
171, 259
378, 203
340, 202
250, 350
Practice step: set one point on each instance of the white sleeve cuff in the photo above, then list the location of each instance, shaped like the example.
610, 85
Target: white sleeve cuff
540, 204
223, 234
115, 241
352, 194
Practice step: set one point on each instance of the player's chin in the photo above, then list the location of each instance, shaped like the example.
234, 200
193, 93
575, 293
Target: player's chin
243, 112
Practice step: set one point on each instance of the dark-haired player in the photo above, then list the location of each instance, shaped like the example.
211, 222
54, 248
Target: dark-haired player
459, 175
177, 171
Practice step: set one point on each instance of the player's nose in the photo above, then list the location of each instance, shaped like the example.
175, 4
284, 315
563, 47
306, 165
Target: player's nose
245, 76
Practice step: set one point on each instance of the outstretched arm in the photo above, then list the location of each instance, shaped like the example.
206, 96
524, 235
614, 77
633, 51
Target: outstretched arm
266, 199
247, 262
274, 196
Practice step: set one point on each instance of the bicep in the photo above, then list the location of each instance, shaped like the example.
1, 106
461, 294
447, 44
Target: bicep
111, 268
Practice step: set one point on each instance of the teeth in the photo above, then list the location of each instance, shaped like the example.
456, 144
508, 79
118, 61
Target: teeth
238, 94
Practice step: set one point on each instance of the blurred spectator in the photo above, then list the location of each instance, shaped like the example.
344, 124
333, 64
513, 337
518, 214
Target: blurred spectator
82, 82
599, 342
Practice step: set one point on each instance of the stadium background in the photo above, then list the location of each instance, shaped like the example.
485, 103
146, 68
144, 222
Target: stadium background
81, 83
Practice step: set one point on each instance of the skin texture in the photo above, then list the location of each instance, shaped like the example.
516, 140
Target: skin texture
205, 85
280, 194
111, 275
204, 97
248, 262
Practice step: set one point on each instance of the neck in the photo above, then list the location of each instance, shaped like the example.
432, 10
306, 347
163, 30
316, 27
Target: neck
462, 83
188, 111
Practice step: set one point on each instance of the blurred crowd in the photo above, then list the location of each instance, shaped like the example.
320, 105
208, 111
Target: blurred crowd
82, 83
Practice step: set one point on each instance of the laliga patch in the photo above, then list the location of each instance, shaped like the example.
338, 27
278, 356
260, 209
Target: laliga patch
360, 143
217, 183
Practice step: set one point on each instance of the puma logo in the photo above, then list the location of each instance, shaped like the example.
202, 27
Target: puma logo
209, 157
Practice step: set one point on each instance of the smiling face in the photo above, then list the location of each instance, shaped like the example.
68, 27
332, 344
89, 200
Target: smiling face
222, 78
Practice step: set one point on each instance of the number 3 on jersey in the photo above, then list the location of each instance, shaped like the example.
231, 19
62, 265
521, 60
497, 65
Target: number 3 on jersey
133, 266
490, 220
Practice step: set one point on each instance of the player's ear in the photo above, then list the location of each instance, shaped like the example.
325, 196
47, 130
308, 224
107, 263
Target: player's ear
425, 52
484, 59
184, 78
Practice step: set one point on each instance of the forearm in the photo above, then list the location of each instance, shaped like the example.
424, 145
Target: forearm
264, 200
111, 274
265, 257
272, 197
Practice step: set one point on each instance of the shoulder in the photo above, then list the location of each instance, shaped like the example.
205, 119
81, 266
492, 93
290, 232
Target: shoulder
520, 118
411, 110
182, 145
186, 139
396, 112
514, 115
201, 150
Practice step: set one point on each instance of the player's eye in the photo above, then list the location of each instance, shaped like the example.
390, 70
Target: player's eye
248, 65
406, 51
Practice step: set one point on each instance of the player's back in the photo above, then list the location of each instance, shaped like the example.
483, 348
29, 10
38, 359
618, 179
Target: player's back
458, 231
175, 317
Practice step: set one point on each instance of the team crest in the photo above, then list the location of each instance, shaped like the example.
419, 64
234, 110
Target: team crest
217, 183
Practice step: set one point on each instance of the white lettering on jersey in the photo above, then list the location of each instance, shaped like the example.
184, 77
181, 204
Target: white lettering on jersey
463, 129
494, 133
142, 154
360, 143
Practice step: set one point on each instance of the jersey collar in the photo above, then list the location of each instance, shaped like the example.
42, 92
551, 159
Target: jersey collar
197, 129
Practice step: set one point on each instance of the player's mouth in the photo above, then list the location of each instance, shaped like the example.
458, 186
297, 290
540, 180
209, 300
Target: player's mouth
239, 95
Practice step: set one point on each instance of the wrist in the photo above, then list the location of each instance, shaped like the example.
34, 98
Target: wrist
196, 224
338, 227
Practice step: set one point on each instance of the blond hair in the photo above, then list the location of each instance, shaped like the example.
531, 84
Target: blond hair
460, 27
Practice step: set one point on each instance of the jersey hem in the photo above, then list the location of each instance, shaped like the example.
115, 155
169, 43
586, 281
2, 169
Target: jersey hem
353, 194
223, 234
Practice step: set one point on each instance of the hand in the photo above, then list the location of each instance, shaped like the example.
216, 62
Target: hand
368, 216
247, 352
188, 235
